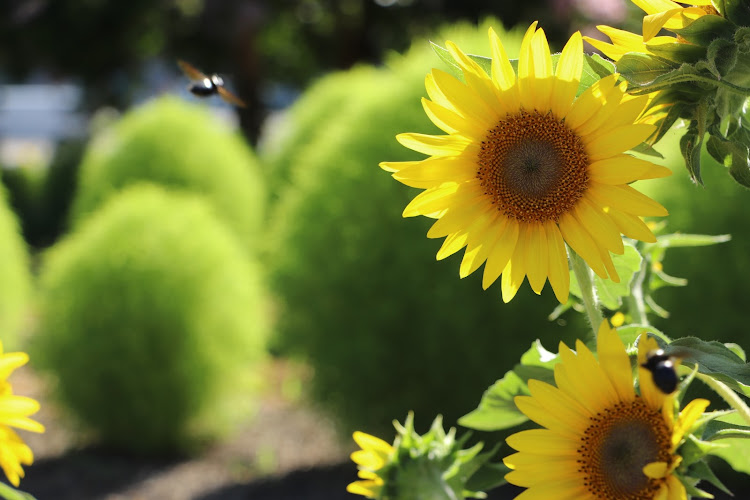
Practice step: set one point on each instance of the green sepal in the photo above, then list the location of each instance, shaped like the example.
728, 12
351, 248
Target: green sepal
643, 69
706, 29
733, 155
496, 410
721, 57
434, 465
700, 470
693, 449
692, 490
690, 147
678, 52
737, 11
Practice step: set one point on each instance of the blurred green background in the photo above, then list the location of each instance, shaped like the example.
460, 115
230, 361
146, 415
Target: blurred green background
161, 254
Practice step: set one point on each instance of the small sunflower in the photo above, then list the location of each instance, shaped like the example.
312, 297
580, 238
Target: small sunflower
373, 456
527, 167
601, 439
14, 412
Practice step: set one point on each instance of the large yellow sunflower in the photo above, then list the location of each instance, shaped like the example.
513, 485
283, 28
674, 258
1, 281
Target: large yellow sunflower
526, 166
14, 412
373, 456
601, 439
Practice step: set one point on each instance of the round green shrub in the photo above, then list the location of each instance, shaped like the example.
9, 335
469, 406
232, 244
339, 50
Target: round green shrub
152, 317
385, 328
717, 275
177, 144
15, 284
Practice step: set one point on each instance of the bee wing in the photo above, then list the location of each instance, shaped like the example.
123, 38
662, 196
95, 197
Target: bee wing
230, 98
190, 71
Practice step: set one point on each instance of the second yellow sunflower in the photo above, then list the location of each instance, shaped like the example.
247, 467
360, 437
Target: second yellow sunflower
526, 166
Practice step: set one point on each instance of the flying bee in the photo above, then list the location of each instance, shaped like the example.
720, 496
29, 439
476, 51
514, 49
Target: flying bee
662, 368
204, 85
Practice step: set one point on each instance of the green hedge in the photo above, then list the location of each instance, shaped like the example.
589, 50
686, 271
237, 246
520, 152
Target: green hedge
177, 144
152, 320
15, 284
385, 327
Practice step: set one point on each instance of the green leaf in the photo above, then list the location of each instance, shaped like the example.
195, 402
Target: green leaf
706, 29
9, 493
611, 293
452, 67
718, 429
627, 264
497, 410
715, 360
630, 333
676, 240
595, 68
737, 451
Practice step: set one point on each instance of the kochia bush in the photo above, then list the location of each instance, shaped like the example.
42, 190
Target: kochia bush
152, 317
181, 145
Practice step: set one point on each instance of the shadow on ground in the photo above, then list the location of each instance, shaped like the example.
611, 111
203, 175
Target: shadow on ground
89, 474
318, 483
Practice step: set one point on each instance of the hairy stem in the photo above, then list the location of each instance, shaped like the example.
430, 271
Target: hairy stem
588, 292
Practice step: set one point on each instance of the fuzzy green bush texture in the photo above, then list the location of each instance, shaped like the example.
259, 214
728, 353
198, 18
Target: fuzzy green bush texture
174, 143
385, 327
719, 275
153, 321
15, 281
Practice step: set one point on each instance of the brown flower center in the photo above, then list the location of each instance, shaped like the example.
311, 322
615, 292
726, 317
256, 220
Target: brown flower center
616, 446
533, 167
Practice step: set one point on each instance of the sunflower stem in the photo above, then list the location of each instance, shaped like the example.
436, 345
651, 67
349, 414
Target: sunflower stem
636, 304
588, 291
727, 395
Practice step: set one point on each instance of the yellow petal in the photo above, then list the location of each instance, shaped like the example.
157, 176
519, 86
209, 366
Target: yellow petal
624, 169
503, 75
567, 76
515, 270
536, 412
656, 470
616, 141
615, 361
581, 242
543, 442
559, 275
451, 122
599, 226
375, 444
687, 418
478, 80
438, 145
589, 102
631, 226
537, 256
626, 199
653, 23
559, 403
435, 171
500, 253
465, 101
